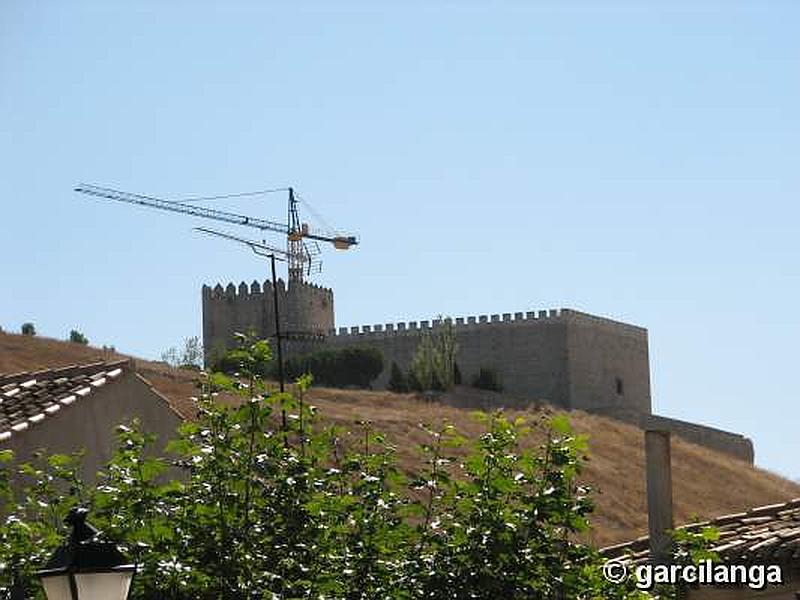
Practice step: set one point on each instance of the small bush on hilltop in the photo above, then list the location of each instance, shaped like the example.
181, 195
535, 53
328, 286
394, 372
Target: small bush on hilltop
28, 329
77, 337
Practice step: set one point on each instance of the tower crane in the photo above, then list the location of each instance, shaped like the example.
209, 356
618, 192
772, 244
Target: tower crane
296, 232
296, 254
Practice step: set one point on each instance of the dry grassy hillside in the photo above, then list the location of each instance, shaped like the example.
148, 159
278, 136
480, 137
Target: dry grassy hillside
706, 483
22, 353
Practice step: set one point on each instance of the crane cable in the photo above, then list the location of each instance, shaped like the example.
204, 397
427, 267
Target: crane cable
225, 196
318, 218
326, 226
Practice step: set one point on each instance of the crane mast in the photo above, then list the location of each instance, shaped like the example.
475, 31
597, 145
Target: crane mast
294, 240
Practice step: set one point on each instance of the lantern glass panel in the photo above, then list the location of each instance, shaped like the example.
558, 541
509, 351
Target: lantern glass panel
103, 586
56, 587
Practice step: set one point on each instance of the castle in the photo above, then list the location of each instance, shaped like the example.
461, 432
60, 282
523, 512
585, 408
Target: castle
568, 358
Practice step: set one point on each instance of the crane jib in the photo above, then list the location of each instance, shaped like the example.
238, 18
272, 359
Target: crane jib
208, 213
340, 242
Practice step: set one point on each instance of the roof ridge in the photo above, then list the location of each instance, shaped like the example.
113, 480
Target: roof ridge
775, 507
30, 397
761, 511
66, 370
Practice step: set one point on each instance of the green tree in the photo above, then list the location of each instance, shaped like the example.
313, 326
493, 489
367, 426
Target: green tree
422, 363
77, 337
171, 357
189, 357
343, 367
192, 355
28, 329
434, 360
397, 380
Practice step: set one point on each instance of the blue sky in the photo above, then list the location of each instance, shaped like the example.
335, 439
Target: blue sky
637, 160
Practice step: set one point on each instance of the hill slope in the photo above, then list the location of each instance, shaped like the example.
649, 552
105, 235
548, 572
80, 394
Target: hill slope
706, 483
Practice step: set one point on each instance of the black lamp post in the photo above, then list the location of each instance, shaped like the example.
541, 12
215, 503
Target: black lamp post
85, 567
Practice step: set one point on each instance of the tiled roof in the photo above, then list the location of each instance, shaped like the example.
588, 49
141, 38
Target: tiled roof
28, 398
763, 535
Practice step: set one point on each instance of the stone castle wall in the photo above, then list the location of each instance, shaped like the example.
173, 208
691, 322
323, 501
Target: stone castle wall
609, 366
564, 357
733, 444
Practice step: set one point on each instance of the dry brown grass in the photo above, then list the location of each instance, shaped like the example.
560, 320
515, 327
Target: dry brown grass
23, 353
706, 483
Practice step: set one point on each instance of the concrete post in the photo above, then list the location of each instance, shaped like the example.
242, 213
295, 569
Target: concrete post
659, 494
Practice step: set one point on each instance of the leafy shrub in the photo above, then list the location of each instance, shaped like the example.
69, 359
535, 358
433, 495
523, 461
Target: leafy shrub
190, 357
487, 379
77, 337
397, 380
338, 368
433, 383
171, 356
226, 364
272, 508
413, 382
28, 329
433, 363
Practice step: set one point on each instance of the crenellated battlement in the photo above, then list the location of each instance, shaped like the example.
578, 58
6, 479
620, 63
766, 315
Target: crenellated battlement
255, 289
477, 322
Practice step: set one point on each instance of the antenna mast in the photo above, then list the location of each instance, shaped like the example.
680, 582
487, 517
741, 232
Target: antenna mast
295, 247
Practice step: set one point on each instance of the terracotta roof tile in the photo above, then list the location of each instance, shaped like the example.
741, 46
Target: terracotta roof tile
27, 399
763, 534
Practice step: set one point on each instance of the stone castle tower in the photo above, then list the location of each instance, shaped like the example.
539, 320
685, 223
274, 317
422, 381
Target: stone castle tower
305, 310
564, 357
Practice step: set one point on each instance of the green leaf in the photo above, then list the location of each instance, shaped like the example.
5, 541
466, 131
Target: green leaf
560, 424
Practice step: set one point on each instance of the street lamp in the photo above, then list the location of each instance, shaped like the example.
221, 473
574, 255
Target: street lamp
86, 568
